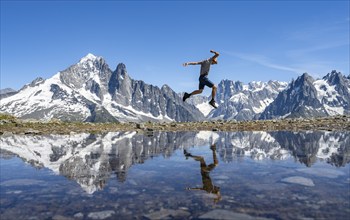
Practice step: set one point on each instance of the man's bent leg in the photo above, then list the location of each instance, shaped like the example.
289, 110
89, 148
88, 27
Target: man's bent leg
196, 92
213, 92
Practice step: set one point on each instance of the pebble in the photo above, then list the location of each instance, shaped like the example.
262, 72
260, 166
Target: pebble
164, 213
22, 182
61, 217
221, 177
32, 131
101, 215
79, 215
131, 192
322, 172
7, 133
224, 214
140, 126
14, 192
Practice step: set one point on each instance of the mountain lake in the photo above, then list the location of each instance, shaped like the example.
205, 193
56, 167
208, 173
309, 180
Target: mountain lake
176, 175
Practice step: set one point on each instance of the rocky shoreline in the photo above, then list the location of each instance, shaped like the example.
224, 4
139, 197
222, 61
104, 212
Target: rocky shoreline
12, 125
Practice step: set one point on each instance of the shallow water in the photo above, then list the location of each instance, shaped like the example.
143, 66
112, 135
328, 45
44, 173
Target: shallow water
176, 175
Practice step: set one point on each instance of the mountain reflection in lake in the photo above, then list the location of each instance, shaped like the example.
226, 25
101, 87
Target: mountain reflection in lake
126, 175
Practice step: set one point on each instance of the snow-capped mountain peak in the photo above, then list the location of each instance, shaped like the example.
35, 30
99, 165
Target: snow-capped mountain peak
244, 102
88, 57
91, 91
307, 97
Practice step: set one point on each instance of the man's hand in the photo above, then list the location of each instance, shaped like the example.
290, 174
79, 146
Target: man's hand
215, 56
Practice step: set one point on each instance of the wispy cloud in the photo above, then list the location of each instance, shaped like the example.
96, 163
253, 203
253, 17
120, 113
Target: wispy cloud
316, 48
264, 61
310, 32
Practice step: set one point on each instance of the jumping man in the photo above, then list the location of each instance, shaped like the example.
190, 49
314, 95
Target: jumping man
203, 78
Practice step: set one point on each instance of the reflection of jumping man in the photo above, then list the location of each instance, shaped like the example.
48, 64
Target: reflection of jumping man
208, 185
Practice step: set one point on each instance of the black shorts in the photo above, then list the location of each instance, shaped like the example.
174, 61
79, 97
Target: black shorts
204, 81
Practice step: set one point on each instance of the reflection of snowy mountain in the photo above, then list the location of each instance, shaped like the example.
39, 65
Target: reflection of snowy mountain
257, 145
44, 151
306, 147
91, 159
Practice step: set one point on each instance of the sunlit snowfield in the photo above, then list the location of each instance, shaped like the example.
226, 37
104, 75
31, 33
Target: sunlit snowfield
177, 175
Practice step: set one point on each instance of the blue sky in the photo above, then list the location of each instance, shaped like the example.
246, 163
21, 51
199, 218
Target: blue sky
257, 40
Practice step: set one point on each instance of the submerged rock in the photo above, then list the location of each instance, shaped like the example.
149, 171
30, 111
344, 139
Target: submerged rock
165, 213
101, 215
322, 172
299, 180
224, 214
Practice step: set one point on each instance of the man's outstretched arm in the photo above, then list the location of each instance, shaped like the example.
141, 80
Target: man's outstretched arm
191, 63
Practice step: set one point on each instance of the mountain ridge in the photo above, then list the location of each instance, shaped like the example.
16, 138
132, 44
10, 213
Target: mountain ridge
307, 97
89, 91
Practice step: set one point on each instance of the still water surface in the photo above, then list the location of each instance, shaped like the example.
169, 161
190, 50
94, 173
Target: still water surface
176, 175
